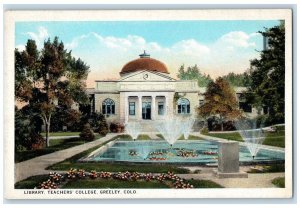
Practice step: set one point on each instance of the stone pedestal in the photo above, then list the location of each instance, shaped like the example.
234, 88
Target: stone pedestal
228, 161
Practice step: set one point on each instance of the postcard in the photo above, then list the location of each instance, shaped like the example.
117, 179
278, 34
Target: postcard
131, 104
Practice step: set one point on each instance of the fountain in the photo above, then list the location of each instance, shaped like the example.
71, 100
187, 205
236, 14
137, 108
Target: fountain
170, 130
133, 129
186, 127
252, 136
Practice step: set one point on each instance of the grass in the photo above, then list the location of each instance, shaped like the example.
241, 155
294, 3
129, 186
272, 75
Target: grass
31, 182
112, 183
276, 139
55, 145
279, 182
61, 133
191, 137
272, 168
235, 136
126, 137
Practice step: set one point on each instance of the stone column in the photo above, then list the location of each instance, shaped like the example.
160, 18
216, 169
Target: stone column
166, 106
126, 109
153, 112
228, 161
140, 108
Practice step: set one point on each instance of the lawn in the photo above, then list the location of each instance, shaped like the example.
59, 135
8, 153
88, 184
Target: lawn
191, 137
276, 139
55, 145
279, 182
126, 137
61, 134
229, 136
31, 182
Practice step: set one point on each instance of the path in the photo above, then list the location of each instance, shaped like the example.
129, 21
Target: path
254, 180
37, 165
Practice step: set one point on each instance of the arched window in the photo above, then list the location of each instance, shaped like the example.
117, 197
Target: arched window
108, 107
183, 106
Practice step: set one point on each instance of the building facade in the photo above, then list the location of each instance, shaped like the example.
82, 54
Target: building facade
146, 92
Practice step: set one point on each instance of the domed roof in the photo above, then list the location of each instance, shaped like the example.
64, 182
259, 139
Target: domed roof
144, 63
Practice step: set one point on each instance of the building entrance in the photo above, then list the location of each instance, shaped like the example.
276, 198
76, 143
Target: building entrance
146, 110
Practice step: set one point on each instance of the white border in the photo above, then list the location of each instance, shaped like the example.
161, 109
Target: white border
112, 15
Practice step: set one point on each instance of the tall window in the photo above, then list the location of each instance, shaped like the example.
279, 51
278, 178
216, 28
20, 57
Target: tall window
132, 108
183, 106
108, 107
246, 107
161, 110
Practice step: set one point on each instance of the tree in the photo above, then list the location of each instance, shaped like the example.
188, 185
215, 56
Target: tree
49, 78
27, 132
237, 80
267, 75
220, 101
193, 73
87, 133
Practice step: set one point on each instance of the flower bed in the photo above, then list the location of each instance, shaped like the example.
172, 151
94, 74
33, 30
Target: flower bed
57, 180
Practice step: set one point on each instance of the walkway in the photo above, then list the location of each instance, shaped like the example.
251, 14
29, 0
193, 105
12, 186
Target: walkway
254, 180
37, 165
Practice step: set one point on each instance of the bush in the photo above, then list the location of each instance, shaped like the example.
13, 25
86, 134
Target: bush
113, 127
103, 128
116, 128
204, 130
87, 133
37, 141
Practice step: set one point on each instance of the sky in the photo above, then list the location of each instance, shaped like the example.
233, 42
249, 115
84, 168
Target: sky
217, 47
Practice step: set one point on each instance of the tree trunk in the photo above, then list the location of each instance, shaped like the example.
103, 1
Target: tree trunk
222, 127
47, 126
47, 133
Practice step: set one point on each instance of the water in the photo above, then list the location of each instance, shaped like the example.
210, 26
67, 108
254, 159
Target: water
252, 136
133, 129
172, 129
198, 152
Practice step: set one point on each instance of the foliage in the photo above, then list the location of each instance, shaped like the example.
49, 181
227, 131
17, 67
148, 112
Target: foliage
193, 73
279, 182
267, 75
220, 102
97, 121
116, 128
48, 79
87, 133
27, 133
237, 80
204, 130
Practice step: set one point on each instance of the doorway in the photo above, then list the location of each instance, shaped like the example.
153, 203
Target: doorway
146, 110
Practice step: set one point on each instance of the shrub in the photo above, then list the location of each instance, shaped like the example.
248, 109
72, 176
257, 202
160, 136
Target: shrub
37, 141
116, 128
103, 128
113, 127
204, 130
87, 133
